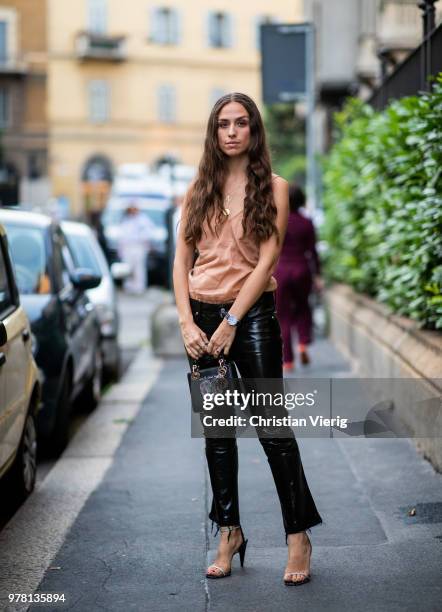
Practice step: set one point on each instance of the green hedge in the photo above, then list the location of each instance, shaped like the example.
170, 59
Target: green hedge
383, 204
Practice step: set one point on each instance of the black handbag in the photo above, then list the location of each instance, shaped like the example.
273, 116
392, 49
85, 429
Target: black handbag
215, 379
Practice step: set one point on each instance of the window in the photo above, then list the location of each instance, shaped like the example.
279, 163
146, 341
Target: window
5, 288
4, 107
62, 261
29, 257
83, 253
98, 101
97, 16
220, 28
3, 41
215, 94
167, 103
165, 26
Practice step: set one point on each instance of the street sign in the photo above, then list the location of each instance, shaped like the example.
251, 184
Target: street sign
285, 59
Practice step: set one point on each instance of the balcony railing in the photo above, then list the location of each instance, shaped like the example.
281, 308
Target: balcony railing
94, 46
14, 66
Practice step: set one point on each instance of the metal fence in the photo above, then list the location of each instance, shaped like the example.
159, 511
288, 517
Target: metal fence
412, 75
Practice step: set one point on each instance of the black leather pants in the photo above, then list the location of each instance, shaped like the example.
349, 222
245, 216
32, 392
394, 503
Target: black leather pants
257, 351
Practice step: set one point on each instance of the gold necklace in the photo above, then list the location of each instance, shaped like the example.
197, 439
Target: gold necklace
228, 198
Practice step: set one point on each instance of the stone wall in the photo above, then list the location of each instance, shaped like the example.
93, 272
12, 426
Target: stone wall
384, 345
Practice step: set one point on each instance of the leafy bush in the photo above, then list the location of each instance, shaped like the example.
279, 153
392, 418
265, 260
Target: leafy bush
383, 204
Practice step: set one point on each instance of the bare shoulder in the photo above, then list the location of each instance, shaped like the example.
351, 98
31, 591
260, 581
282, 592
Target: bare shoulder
279, 182
280, 188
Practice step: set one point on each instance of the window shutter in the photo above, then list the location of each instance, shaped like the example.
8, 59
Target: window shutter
163, 26
153, 24
176, 26
97, 16
228, 34
210, 28
99, 103
166, 97
172, 98
3, 41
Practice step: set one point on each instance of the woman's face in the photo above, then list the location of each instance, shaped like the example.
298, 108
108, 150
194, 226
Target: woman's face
233, 129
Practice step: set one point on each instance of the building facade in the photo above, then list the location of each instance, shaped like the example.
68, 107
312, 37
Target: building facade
358, 42
136, 85
23, 124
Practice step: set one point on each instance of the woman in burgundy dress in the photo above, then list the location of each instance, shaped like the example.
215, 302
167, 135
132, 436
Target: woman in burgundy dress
298, 270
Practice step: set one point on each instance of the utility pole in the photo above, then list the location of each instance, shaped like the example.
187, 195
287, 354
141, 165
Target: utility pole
310, 123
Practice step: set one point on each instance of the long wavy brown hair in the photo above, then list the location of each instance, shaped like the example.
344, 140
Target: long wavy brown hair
206, 195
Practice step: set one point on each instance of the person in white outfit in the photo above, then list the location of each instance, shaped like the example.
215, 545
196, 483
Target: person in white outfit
136, 231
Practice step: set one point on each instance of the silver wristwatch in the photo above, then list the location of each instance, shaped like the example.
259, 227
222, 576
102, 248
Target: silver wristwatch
231, 319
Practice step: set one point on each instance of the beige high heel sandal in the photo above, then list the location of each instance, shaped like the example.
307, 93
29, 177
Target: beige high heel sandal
241, 551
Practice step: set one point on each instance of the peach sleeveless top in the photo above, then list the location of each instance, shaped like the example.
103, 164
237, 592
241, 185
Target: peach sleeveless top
224, 262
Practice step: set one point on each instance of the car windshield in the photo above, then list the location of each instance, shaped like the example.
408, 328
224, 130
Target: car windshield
29, 257
114, 216
83, 253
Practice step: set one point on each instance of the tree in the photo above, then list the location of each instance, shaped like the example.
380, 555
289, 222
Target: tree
286, 139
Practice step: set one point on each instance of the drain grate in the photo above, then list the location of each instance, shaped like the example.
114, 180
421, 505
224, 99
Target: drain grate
425, 514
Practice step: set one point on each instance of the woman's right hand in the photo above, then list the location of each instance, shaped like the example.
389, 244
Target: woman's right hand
195, 340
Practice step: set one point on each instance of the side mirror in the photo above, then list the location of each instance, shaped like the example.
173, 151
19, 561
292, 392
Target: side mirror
3, 334
84, 279
120, 270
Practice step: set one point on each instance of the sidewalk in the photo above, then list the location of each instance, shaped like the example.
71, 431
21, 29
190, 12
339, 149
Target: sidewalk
142, 539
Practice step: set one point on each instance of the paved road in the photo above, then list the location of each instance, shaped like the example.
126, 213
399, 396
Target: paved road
141, 540
135, 313
120, 522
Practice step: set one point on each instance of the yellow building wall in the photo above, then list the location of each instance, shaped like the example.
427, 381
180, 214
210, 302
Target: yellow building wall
133, 132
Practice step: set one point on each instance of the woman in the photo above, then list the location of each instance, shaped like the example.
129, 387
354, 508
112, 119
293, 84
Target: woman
235, 216
298, 268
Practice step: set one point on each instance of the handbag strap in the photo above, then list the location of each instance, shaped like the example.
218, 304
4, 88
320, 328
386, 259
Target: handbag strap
222, 367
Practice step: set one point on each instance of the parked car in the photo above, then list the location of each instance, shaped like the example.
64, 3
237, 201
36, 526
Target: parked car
156, 210
64, 323
87, 253
19, 387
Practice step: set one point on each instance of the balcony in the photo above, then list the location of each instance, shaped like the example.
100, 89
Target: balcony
399, 26
12, 66
95, 46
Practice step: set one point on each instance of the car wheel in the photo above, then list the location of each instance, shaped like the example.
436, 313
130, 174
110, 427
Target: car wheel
92, 392
60, 434
113, 372
21, 478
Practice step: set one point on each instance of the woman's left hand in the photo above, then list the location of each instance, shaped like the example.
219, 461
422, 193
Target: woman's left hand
222, 339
